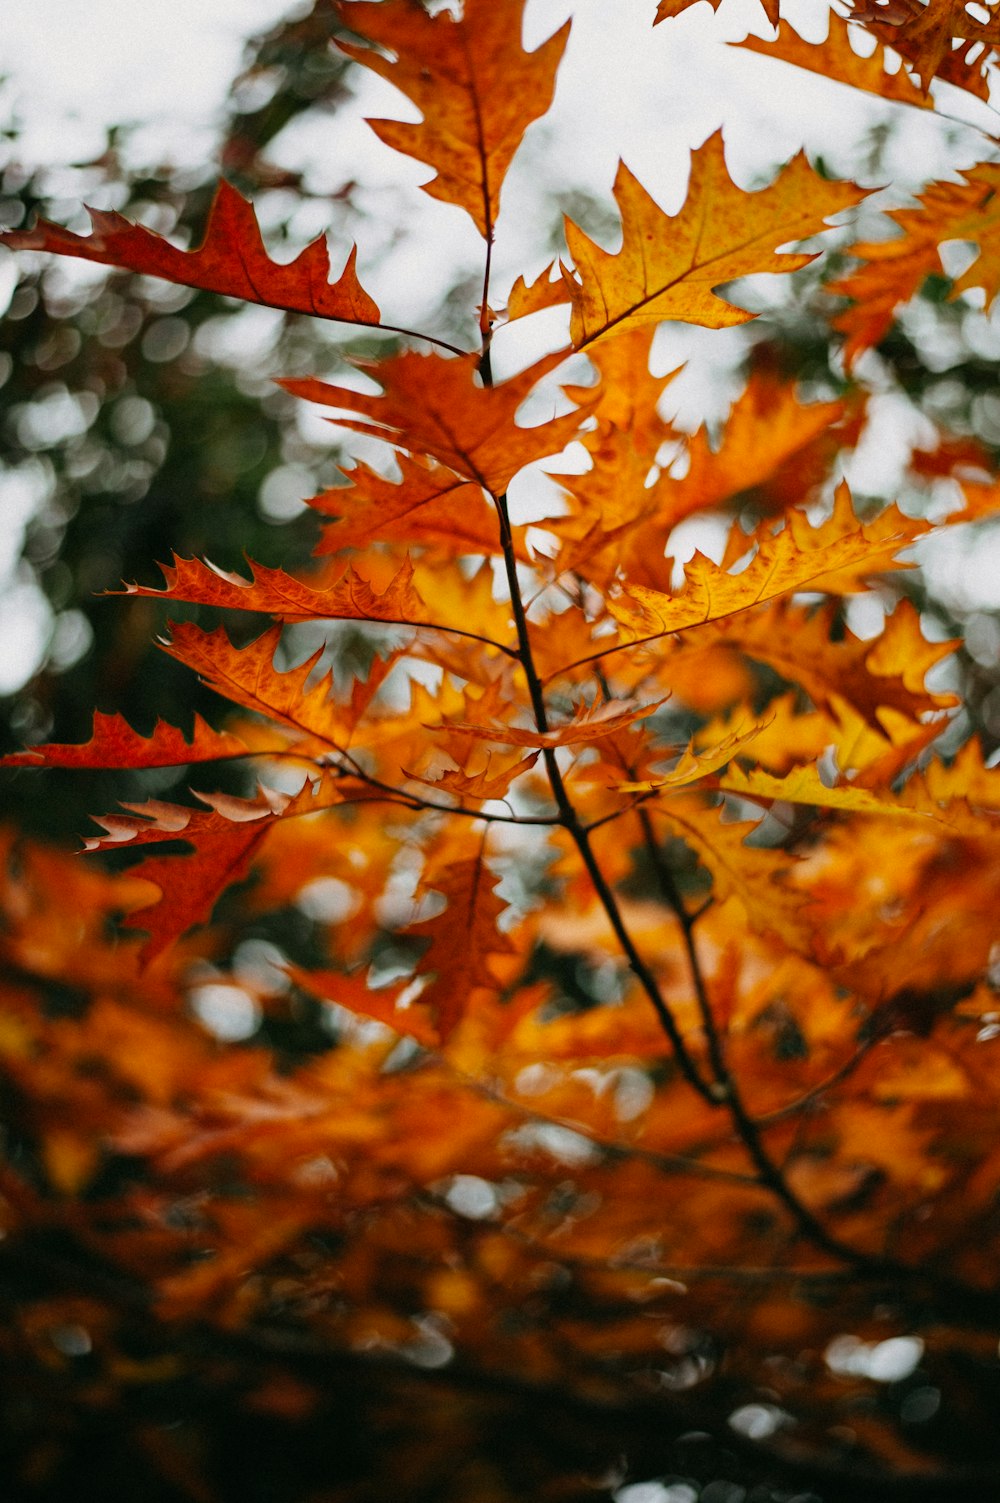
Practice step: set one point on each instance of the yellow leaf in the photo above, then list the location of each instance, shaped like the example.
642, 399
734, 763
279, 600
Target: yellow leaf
693, 764
837, 555
668, 267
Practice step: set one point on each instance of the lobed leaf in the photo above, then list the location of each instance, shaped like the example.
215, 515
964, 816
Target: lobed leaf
231, 260
669, 266
473, 83
439, 409
115, 744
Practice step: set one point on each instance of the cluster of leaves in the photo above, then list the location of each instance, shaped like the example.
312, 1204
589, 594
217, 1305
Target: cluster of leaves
641, 908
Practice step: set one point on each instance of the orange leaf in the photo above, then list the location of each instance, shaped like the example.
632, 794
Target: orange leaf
893, 271
115, 744
773, 445
925, 35
247, 676
275, 593
801, 644
378, 1003
589, 723
473, 83
436, 407
231, 260
487, 783
694, 764
463, 937
751, 874
668, 9
429, 505
669, 267
799, 557
837, 60
803, 785
224, 838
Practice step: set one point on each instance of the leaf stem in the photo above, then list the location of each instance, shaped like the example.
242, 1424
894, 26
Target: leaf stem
577, 832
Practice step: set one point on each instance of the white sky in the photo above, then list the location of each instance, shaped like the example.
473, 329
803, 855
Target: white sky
626, 88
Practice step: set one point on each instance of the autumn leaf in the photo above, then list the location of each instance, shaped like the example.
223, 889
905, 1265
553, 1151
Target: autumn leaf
925, 35
755, 876
589, 723
380, 1004
247, 676
429, 505
669, 267
696, 763
893, 271
437, 408
230, 260
224, 838
491, 781
471, 80
803, 645
463, 939
668, 9
804, 785
774, 449
115, 744
799, 557
273, 592
836, 59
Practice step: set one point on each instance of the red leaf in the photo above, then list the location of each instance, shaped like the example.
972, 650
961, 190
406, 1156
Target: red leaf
231, 259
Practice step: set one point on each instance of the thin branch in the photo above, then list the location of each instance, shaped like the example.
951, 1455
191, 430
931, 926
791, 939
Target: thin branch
577, 832
443, 344
615, 1148
352, 769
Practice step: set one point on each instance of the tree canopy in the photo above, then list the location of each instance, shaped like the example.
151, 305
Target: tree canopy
547, 1044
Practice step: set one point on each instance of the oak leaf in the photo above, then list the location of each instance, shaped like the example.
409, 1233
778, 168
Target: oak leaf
774, 450
804, 785
115, 744
925, 35
803, 645
589, 723
230, 260
224, 837
667, 10
836, 59
697, 761
429, 505
248, 677
835, 555
491, 781
669, 266
437, 408
473, 83
756, 877
380, 1004
274, 592
893, 271
463, 940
